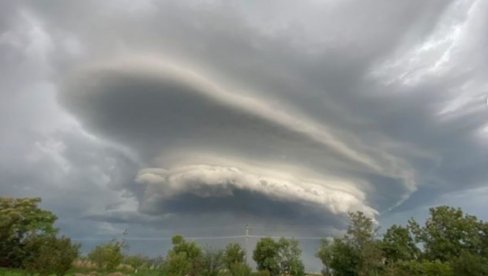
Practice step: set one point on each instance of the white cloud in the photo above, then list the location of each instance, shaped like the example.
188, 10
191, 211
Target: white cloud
212, 181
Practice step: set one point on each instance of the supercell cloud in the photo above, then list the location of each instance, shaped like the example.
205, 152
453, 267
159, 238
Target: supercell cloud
155, 115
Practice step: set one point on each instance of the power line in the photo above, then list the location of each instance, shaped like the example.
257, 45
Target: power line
203, 238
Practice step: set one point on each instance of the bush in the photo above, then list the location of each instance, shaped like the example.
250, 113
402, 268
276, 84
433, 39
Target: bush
469, 264
107, 256
420, 268
137, 261
239, 269
50, 255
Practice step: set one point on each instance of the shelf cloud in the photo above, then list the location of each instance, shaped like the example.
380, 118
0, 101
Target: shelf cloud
161, 116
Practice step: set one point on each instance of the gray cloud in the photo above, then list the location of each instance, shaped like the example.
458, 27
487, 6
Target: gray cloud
171, 113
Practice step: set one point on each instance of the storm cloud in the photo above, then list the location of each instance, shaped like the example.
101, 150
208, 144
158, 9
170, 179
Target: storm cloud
146, 114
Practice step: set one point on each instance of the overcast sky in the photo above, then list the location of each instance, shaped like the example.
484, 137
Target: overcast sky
200, 117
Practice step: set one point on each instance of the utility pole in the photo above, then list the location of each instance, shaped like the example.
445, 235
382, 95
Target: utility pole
247, 242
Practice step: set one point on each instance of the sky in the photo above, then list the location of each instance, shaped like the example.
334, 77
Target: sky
152, 118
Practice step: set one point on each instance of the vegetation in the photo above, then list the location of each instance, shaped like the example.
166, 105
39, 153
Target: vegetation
107, 256
278, 257
48, 254
448, 243
28, 238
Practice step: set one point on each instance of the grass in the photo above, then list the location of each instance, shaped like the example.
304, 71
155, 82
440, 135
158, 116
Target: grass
18, 272
10, 272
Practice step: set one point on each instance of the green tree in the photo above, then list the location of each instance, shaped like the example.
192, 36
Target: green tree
235, 260
345, 258
398, 245
185, 258
233, 254
21, 218
107, 256
266, 256
361, 237
325, 254
213, 262
278, 257
357, 253
49, 254
447, 233
289, 257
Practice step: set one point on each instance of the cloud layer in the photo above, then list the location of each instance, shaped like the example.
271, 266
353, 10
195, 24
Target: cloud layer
154, 115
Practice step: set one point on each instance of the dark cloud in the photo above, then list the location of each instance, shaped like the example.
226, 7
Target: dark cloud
177, 112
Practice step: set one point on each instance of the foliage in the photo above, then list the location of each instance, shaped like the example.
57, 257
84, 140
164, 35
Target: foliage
239, 269
344, 260
266, 256
49, 254
185, 258
450, 243
420, 268
234, 254
360, 236
21, 218
278, 258
398, 245
289, 257
357, 253
213, 262
447, 233
107, 256
137, 261
469, 264
325, 254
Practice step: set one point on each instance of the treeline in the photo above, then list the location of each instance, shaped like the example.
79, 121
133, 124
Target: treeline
448, 243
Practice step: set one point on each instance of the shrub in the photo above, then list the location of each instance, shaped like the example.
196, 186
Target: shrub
107, 256
50, 255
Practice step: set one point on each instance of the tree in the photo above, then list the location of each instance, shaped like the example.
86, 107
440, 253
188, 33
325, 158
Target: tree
21, 218
357, 253
278, 258
361, 237
325, 254
234, 259
398, 245
107, 256
185, 258
234, 254
289, 257
49, 254
213, 262
266, 256
447, 233
345, 259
